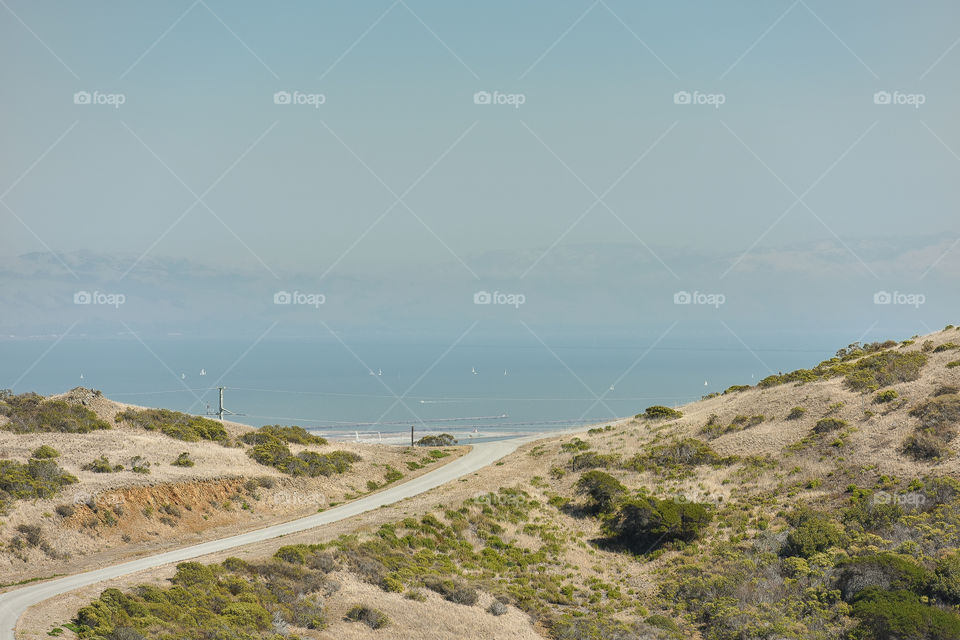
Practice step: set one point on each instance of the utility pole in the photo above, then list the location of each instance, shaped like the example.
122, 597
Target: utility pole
411, 435
222, 410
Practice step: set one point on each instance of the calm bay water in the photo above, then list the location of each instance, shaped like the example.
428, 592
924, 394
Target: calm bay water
473, 391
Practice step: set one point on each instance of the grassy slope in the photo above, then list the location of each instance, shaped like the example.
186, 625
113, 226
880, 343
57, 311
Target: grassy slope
90, 521
817, 532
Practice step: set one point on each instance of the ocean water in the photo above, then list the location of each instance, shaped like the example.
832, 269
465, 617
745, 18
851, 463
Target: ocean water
377, 391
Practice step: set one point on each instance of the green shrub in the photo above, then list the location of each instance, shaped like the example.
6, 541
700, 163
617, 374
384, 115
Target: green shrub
442, 440
901, 615
946, 346
183, 460
826, 425
373, 618
43, 452
138, 464
30, 413
884, 397
659, 411
736, 388
575, 445
273, 452
641, 524
796, 413
946, 581
602, 488
953, 363
939, 415
175, 424
882, 571
102, 465
293, 435
684, 453
593, 460
884, 369
812, 533
391, 475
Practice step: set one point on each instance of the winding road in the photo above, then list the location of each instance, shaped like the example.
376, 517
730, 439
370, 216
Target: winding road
14, 603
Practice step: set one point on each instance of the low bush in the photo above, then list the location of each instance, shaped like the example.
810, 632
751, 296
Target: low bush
31, 413
102, 465
659, 411
826, 425
272, 452
175, 424
882, 571
900, 615
292, 435
884, 369
939, 417
602, 489
453, 591
593, 460
183, 460
43, 452
925, 446
644, 523
442, 440
575, 445
373, 618
796, 413
736, 388
678, 454
497, 608
812, 533
35, 479
884, 397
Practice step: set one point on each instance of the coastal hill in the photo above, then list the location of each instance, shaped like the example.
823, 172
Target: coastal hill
819, 503
85, 480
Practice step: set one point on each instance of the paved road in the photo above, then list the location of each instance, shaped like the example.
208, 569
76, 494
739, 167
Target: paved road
14, 603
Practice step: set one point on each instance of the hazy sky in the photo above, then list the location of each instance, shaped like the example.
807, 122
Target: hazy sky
798, 197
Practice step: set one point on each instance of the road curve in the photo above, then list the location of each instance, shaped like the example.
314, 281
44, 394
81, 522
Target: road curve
14, 603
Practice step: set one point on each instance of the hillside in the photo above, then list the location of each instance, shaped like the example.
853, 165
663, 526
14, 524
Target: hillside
822, 503
85, 480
